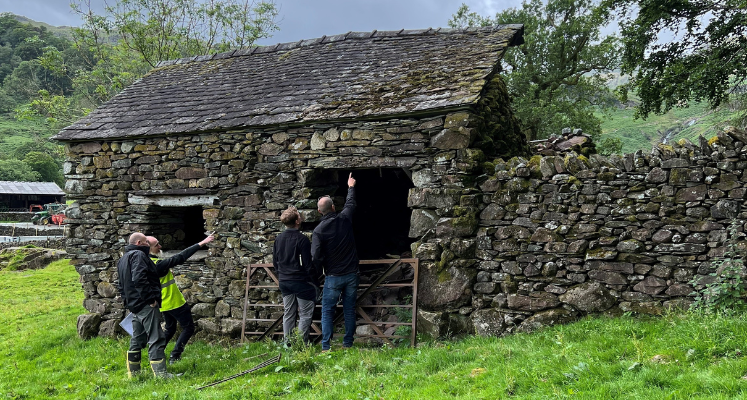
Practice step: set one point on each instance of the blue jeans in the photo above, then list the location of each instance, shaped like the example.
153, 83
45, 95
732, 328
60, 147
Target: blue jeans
347, 285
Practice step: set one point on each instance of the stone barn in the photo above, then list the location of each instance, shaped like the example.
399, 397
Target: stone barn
225, 142
506, 242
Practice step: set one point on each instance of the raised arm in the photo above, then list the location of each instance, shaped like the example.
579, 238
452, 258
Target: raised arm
350, 204
163, 265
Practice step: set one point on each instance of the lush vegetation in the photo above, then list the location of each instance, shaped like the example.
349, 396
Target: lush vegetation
50, 79
679, 123
672, 357
703, 58
557, 77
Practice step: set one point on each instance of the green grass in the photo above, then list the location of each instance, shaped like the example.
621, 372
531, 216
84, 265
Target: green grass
673, 357
15, 133
642, 134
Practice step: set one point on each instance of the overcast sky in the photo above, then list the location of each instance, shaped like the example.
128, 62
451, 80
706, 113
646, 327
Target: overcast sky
307, 19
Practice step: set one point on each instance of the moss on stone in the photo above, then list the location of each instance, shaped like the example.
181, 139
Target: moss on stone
606, 176
444, 276
666, 147
585, 160
678, 175
534, 166
518, 185
498, 130
625, 202
442, 264
512, 207
713, 140
600, 253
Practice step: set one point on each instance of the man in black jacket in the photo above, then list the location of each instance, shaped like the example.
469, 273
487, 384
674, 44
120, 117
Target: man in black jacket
141, 291
333, 247
291, 256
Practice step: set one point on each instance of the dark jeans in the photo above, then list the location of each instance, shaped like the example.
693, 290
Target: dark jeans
146, 329
183, 315
334, 286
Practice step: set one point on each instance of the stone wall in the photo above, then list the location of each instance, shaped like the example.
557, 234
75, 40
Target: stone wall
16, 216
560, 237
504, 245
241, 180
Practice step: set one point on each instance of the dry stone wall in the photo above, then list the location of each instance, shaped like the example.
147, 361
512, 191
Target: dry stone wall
241, 180
560, 237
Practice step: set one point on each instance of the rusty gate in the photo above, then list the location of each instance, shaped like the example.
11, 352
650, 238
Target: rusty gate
379, 282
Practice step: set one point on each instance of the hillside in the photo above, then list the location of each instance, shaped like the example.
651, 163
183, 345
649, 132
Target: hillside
689, 123
61, 31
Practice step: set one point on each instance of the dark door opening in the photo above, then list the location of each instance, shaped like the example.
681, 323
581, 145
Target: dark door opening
382, 219
177, 228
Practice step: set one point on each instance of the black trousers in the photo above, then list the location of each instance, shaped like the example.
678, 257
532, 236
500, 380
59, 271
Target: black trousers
182, 315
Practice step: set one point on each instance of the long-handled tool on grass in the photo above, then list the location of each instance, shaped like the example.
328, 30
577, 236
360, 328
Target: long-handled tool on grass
261, 365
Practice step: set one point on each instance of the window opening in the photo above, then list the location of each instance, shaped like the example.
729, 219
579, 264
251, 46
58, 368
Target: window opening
177, 227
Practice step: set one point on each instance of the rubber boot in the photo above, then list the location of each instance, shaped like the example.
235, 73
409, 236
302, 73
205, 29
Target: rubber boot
133, 363
159, 369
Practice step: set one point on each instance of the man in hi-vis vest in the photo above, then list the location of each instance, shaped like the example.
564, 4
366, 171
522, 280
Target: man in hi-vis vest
173, 305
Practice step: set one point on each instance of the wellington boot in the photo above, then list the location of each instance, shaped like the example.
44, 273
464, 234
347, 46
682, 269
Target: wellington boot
159, 369
133, 363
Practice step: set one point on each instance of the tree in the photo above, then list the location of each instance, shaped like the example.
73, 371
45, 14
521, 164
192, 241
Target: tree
17, 170
47, 168
115, 49
167, 29
706, 60
557, 77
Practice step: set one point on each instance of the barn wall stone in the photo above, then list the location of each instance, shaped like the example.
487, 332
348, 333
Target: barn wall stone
504, 245
615, 234
242, 180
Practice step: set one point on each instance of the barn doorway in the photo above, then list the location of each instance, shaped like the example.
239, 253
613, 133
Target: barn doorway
382, 219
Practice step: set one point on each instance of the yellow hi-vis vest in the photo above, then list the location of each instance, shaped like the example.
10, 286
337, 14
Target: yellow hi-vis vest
171, 297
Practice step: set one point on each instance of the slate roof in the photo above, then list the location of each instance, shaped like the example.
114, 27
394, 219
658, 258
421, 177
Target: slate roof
40, 188
348, 76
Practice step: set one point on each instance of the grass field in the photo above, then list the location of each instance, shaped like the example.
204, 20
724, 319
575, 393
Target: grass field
678, 123
674, 357
14, 133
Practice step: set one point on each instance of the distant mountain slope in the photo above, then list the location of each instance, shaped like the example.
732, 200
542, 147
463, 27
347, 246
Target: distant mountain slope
679, 123
61, 31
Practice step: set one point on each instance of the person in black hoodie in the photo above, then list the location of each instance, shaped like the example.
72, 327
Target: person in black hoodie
291, 256
333, 248
140, 287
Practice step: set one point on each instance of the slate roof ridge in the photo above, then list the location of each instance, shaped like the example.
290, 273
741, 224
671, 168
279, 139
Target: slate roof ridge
337, 38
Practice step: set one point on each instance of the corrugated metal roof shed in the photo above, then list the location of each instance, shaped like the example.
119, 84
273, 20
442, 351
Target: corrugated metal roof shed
42, 188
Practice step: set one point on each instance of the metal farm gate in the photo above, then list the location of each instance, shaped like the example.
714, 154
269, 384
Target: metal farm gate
380, 274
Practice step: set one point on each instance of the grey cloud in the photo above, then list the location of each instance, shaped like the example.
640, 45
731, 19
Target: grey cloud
305, 19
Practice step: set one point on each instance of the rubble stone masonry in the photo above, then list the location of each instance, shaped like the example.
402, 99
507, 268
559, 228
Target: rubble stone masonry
504, 245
